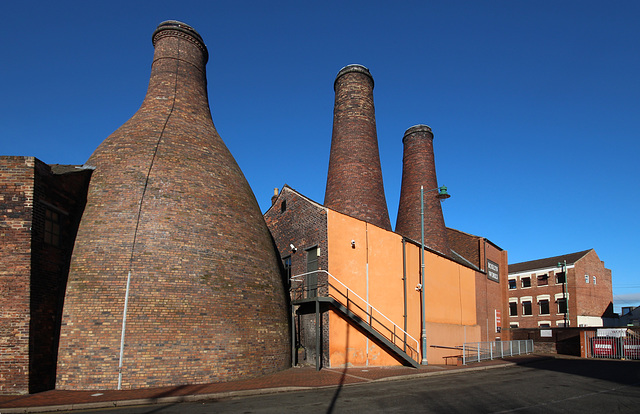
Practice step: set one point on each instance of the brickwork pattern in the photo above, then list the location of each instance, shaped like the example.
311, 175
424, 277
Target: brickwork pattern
169, 205
419, 169
16, 216
32, 288
65, 196
466, 245
295, 220
354, 180
591, 299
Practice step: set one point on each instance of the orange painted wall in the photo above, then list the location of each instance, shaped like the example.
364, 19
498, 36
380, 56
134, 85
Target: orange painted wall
373, 269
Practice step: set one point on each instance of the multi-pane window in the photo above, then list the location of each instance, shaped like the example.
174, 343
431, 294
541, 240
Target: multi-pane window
586, 278
543, 280
544, 307
52, 228
513, 308
562, 305
526, 282
512, 284
594, 280
526, 308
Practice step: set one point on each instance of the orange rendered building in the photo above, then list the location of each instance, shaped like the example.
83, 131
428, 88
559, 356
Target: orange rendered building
356, 290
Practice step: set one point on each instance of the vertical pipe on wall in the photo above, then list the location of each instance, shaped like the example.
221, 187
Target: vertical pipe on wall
124, 325
423, 279
318, 350
404, 289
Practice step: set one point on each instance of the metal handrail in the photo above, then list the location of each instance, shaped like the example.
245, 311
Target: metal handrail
365, 302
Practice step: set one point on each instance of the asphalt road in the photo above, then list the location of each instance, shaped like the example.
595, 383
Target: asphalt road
549, 386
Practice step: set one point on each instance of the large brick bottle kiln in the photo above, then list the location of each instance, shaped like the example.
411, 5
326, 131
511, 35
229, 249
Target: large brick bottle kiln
419, 169
172, 241
354, 180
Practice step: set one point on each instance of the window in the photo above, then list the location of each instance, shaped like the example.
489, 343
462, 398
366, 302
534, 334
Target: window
312, 276
513, 325
543, 280
544, 307
526, 308
544, 324
286, 262
562, 305
512, 283
560, 278
586, 278
52, 228
594, 280
513, 308
526, 282
283, 206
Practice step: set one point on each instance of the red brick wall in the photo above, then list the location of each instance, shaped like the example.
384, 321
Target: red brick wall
16, 216
466, 245
354, 181
302, 223
590, 299
418, 169
65, 195
583, 298
169, 204
38, 272
490, 295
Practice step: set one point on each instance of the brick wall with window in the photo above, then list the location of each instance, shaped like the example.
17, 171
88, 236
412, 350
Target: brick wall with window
40, 209
296, 220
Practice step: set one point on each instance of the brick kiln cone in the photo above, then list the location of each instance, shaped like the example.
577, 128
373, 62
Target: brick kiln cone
419, 169
170, 211
354, 181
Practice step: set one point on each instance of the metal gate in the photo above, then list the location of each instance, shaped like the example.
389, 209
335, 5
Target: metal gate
612, 344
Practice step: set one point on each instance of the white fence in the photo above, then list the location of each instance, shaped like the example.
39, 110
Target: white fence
481, 351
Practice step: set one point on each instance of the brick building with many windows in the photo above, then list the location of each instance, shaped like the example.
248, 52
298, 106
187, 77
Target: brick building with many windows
568, 290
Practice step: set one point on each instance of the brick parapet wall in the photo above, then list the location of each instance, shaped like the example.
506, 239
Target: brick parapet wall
17, 178
466, 245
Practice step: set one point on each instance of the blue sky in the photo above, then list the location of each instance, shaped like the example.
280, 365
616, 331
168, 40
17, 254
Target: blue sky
534, 104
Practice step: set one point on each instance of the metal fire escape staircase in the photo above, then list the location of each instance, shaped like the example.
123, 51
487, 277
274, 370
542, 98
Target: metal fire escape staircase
321, 287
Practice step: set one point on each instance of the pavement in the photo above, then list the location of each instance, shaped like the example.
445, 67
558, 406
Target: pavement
292, 379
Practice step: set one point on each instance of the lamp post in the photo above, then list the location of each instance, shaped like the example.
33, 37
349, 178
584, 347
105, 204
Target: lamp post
442, 195
563, 266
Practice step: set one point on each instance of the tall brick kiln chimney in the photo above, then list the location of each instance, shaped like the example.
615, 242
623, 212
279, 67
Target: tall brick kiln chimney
419, 169
354, 181
172, 241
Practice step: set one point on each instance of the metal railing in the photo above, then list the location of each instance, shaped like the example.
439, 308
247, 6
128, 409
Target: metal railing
335, 289
482, 351
625, 346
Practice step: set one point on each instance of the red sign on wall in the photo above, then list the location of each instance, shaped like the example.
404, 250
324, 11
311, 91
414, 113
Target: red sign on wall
604, 347
498, 321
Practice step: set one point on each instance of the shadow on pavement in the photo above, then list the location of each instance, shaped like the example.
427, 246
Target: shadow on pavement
619, 371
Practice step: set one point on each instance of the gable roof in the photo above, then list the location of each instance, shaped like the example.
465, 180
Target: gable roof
571, 258
286, 187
